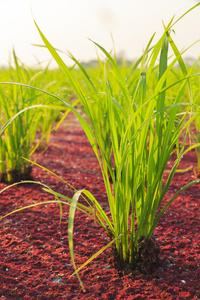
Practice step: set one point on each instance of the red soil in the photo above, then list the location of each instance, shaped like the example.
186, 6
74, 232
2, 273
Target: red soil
34, 255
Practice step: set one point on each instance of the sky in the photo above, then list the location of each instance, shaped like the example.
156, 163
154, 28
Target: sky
68, 24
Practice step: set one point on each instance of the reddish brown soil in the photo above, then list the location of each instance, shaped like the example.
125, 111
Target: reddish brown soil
34, 255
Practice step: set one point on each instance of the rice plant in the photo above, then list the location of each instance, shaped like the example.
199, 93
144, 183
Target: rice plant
17, 140
31, 129
140, 138
195, 126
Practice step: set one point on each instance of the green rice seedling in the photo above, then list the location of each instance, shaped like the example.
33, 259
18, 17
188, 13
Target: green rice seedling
195, 126
52, 82
141, 130
16, 141
142, 140
19, 140
197, 136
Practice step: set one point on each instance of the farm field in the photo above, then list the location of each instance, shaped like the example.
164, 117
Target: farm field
35, 259
100, 176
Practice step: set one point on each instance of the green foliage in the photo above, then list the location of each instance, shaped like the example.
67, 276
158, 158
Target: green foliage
32, 128
137, 129
133, 119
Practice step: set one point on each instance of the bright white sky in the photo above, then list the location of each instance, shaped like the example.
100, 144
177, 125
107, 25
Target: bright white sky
68, 23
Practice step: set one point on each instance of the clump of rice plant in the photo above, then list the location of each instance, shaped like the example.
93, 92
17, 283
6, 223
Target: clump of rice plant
195, 126
17, 140
140, 138
31, 129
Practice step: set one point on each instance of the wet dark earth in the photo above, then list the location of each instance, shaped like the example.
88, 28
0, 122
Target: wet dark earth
34, 255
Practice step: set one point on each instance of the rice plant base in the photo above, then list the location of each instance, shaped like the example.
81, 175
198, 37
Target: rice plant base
148, 257
16, 176
146, 260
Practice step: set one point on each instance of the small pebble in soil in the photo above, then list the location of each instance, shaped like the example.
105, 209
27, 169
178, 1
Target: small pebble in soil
107, 267
58, 280
183, 281
160, 278
67, 265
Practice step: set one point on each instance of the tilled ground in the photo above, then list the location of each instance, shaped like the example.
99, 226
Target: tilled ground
34, 256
